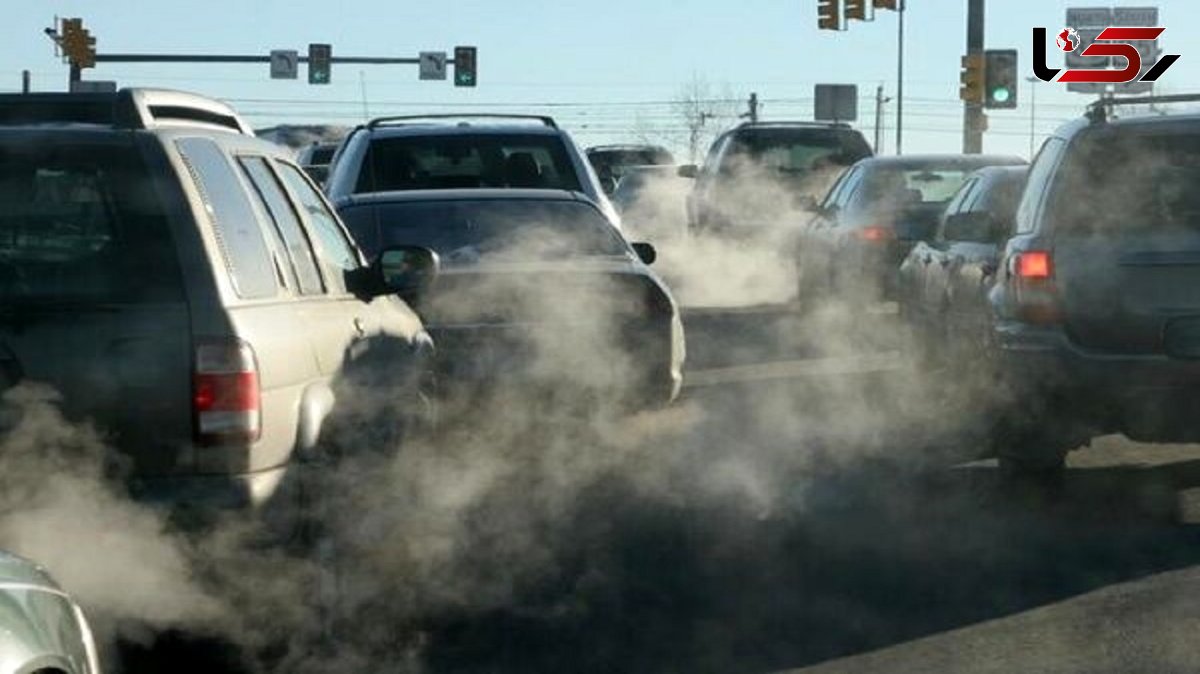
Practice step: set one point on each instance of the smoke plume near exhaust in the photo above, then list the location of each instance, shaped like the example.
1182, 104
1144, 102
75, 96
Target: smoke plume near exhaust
523, 504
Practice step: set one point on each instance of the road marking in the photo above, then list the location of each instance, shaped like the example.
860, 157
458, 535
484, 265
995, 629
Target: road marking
886, 361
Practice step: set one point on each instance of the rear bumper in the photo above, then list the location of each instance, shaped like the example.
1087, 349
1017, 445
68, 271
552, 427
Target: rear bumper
1148, 397
210, 492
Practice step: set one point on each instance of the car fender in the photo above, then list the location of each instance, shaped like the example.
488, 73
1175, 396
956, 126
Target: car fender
316, 404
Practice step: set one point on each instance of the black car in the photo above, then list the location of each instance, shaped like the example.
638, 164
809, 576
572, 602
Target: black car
612, 161
873, 216
1097, 308
758, 175
536, 286
944, 281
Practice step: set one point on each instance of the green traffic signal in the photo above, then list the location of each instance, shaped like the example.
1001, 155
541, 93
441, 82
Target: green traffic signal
1000, 95
1000, 77
465, 62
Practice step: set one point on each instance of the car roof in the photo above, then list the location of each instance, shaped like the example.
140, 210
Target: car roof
437, 127
468, 194
966, 161
630, 147
783, 124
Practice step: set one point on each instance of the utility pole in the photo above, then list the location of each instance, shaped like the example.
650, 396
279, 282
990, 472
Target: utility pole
973, 118
25, 83
900, 77
879, 101
1032, 111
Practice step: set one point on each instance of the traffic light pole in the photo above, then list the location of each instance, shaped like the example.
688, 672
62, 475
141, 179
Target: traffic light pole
973, 117
900, 78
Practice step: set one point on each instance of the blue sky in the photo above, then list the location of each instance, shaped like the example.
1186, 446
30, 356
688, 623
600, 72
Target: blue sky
609, 68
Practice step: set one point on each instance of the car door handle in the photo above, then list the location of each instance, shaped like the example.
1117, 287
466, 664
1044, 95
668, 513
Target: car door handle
359, 329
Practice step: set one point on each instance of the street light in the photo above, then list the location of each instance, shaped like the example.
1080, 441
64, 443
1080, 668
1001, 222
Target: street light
1032, 111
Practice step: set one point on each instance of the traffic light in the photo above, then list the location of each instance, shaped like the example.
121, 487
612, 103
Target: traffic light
829, 14
320, 58
1000, 77
887, 4
860, 10
972, 78
78, 44
464, 66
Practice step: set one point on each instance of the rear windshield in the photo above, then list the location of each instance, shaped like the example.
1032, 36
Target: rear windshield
81, 223
466, 161
794, 151
893, 187
614, 160
1131, 182
321, 155
463, 230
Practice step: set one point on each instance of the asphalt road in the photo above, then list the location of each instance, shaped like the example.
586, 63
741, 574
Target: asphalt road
809, 517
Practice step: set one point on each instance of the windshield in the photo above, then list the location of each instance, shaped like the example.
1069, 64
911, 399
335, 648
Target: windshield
464, 231
791, 152
887, 187
467, 161
74, 218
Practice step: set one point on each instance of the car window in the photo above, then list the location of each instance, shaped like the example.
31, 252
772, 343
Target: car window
787, 152
76, 220
898, 187
334, 249
464, 229
840, 188
1040, 173
467, 161
287, 223
1132, 182
966, 195
239, 235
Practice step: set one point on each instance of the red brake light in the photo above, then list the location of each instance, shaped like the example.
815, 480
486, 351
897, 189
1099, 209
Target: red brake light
226, 397
1034, 264
875, 233
1036, 292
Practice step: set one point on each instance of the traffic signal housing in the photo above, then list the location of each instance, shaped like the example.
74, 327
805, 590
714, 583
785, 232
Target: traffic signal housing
465, 64
829, 14
1000, 78
320, 62
860, 10
77, 43
971, 89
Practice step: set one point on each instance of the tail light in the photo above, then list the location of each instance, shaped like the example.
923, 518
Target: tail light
1037, 299
875, 233
225, 392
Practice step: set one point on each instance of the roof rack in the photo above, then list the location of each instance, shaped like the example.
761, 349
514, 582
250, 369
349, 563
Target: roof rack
124, 109
1100, 110
409, 119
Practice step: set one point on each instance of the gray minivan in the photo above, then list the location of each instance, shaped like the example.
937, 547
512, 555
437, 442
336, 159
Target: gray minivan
187, 288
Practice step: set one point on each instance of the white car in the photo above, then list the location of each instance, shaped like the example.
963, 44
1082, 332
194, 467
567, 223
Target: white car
42, 630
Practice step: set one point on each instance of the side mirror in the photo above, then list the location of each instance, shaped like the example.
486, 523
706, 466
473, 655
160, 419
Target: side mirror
406, 270
688, 171
645, 252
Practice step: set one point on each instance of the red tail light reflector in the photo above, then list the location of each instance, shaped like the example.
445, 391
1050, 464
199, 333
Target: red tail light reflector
226, 398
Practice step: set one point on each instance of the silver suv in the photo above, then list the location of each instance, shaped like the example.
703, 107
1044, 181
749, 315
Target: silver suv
187, 288
435, 152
